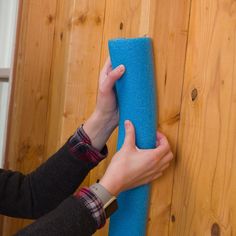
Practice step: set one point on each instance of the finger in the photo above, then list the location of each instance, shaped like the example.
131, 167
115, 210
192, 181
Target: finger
156, 169
158, 175
107, 66
160, 134
163, 145
159, 137
159, 152
166, 159
164, 167
129, 141
112, 77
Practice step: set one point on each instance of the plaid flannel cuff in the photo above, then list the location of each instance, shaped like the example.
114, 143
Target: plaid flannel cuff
81, 147
94, 204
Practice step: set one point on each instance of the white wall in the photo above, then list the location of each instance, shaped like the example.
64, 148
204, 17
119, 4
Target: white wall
8, 18
8, 13
4, 87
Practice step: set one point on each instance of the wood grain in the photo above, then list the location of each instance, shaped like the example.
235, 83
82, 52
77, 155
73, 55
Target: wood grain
58, 78
62, 45
86, 28
169, 30
204, 185
29, 101
122, 19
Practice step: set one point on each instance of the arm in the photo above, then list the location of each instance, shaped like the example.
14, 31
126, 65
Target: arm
71, 217
39, 192
32, 195
83, 213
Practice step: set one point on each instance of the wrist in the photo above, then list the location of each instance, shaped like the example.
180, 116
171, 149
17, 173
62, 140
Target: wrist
113, 187
98, 127
107, 119
109, 201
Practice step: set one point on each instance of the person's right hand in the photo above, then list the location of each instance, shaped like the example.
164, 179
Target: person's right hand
131, 167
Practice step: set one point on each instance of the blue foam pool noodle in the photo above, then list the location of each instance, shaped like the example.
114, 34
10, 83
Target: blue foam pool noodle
136, 95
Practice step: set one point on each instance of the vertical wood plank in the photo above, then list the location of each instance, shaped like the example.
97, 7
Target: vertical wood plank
169, 31
26, 135
85, 27
59, 75
204, 186
122, 19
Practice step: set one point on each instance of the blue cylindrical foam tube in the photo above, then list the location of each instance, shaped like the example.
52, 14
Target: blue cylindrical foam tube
136, 95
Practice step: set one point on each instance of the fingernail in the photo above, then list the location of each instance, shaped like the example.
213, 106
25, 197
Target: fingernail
121, 68
127, 124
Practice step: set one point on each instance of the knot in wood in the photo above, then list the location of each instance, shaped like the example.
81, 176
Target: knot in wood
215, 230
194, 94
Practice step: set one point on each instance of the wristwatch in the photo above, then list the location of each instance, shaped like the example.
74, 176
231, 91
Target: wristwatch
109, 201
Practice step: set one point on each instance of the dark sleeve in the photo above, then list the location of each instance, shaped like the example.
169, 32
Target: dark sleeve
33, 195
70, 218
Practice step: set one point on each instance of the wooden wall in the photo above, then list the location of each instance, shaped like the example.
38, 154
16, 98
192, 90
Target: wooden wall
62, 45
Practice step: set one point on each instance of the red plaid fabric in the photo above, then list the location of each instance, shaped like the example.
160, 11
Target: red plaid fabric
94, 204
80, 146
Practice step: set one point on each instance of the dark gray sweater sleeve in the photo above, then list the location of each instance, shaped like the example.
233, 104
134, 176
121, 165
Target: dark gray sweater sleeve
33, 195
70, 218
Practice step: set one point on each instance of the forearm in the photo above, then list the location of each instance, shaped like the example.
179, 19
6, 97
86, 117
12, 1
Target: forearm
39, 192
71, 217
99, 128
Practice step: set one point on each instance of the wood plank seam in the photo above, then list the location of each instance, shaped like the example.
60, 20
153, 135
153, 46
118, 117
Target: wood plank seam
177, 141
50, 80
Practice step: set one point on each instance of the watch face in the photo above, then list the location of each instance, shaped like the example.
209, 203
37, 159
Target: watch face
111, 208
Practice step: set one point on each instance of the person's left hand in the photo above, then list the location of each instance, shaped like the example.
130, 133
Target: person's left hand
106, 99
105, 117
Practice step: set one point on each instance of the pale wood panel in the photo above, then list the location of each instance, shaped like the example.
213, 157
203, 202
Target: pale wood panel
59, 71
204, 186
75, 68
82, 69
86, 27
26, 135
169, 30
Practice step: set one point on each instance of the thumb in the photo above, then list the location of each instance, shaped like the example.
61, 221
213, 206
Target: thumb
112, 77
129, 135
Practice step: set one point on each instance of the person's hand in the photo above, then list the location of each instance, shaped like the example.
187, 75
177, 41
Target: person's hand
105, 117
131, 167
106, 99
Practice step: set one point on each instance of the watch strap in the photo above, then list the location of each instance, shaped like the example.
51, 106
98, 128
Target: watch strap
109, 201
